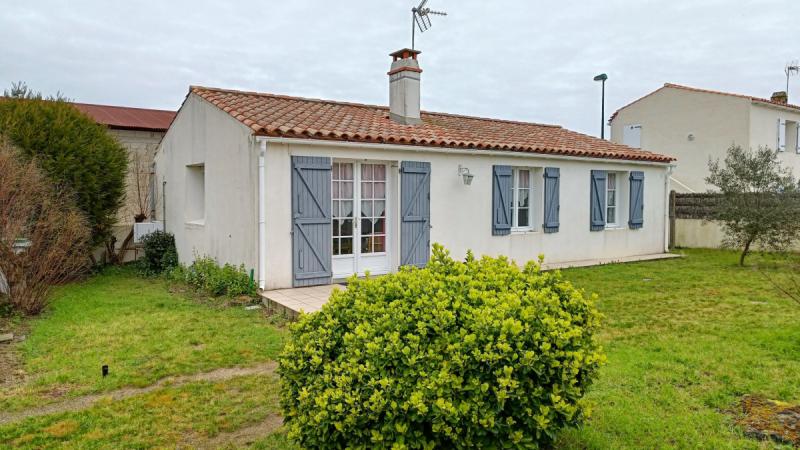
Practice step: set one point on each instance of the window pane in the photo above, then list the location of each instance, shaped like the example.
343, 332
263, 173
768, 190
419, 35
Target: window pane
346, 208
380, 190
612, 180
366, 190
366, 172
366, 208
366, 227
336, 225
346, 190
346, 171
366, 244
611, 215
380, 209
335, 208
346, 246
524, 178
523, 218
380, 225
335, 246
612, 198
379, 243
523, 197
380, 172
335, 171
347, 227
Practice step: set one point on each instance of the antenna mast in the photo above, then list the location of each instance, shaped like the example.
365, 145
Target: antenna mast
791, 68
421, 18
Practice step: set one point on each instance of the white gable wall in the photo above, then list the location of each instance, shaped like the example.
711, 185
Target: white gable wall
670, 115
461, 215
202, 134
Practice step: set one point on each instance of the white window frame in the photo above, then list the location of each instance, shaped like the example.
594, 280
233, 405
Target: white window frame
515, 189
616, 190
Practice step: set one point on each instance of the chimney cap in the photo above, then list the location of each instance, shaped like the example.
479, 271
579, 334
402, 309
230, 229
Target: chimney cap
405, 54
780, 97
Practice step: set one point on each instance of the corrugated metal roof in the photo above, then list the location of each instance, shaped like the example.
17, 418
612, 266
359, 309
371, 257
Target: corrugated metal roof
123, 117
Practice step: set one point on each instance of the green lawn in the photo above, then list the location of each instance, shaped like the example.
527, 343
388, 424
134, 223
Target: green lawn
685, 339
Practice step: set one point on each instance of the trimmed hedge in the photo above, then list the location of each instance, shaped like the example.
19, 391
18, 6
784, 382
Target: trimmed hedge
160, 254
480, 354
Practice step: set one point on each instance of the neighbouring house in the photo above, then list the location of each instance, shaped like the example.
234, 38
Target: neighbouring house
695, 125
140, 131
309, 191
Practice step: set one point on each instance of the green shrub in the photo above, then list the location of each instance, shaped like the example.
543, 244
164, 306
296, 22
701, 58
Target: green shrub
205, 275
74, 151
159, 253
480, 354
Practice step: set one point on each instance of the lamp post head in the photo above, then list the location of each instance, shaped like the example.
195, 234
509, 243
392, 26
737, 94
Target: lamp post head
601, 77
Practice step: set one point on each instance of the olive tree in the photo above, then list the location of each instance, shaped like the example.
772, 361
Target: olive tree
760, 204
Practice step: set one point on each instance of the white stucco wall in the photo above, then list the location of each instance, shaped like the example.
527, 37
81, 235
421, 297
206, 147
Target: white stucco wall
461, 215
764, 132
203, 134
670, 115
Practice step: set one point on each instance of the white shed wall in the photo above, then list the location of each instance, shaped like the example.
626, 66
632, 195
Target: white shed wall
204, 134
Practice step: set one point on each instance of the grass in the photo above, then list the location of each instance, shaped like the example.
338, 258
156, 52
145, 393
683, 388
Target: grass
686, 339
140, 330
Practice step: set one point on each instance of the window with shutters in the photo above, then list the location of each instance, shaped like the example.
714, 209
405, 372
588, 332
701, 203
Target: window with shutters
611, 200
524, 190
792, 136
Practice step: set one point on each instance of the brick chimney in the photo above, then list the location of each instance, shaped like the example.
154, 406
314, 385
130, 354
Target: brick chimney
780, 97
404, 80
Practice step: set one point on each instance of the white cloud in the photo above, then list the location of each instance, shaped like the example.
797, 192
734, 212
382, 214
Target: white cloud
511, 59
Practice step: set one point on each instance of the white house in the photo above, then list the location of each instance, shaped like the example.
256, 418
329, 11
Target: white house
305, 191
695, 125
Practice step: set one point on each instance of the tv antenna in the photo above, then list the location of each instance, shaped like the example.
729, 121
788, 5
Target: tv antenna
791, 68
421, 18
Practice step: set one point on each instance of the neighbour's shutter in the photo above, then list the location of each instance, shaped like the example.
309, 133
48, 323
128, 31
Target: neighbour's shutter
311, 220
551, 199
501, 200
636, 214
415, 213
781, 135
597, 194
797, 139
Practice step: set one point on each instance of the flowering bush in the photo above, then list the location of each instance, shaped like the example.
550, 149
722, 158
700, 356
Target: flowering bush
456, 355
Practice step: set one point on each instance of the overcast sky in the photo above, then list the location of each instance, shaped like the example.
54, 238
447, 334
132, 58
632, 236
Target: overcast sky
528, 60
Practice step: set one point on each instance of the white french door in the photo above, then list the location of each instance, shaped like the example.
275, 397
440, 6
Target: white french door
359, 209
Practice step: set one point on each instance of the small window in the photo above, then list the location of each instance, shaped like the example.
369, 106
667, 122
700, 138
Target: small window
612, 200
522, 190
196, 193
792, 131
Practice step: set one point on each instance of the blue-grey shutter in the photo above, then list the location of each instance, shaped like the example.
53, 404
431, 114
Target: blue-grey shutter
551, 199
636, 214
415, 213
501, 200
597, 199
311, 220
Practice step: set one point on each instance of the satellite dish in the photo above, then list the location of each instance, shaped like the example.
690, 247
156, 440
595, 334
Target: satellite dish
421, 18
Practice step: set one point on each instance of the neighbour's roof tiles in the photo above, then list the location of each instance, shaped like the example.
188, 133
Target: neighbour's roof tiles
295, 117
128, 118
708, 91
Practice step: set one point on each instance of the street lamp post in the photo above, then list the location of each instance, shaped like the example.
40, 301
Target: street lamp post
602, 77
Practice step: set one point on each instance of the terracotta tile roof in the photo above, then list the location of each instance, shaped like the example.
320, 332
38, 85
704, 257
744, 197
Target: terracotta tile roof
295, 117
708, 91
128, 118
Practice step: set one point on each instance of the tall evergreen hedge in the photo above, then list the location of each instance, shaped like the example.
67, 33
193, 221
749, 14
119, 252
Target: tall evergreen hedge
74, 151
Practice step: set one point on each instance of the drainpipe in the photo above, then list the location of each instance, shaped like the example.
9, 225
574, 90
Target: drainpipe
262, 216
667, 177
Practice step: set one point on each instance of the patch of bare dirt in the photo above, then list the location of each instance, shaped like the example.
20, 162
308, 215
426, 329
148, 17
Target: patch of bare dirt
765, 419
238, 438
79, 403
11, 371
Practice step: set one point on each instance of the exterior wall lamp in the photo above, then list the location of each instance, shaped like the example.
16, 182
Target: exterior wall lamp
464, 173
